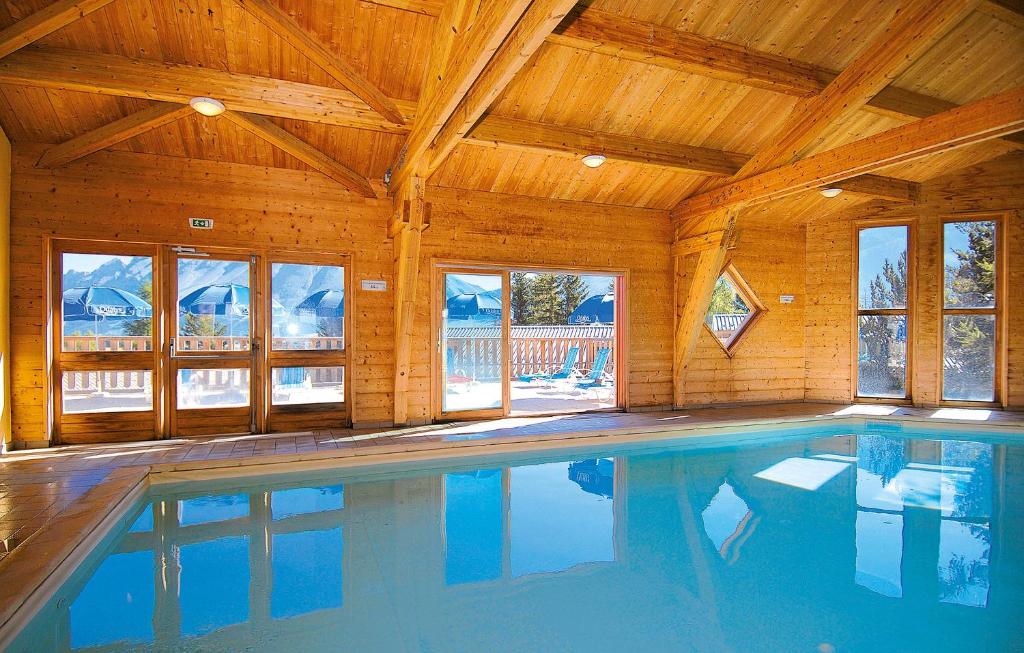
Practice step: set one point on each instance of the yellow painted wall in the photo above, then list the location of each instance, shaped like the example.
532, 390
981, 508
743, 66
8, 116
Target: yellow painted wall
5, 288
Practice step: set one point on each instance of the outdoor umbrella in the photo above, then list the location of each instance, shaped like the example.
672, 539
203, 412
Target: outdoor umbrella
228, 299
95, 303
323, 303
471, 304
599, 309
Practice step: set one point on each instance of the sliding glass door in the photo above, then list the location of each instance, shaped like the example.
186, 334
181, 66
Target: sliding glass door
525, 342
472, 342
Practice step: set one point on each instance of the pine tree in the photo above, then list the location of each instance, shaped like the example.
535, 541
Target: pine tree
144, 325
545, 302
573, 290
970, 339
202, 325
879, 372
521, 288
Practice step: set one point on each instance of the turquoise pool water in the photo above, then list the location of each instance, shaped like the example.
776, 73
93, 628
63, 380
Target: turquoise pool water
815, 540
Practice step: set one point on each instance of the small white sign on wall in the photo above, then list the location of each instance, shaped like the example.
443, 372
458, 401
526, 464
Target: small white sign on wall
201, 223
786, 299
371, 285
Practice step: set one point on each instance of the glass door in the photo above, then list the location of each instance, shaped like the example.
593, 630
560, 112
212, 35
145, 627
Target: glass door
472, 343
212, 349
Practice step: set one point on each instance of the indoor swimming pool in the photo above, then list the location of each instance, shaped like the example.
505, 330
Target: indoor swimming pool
828, 538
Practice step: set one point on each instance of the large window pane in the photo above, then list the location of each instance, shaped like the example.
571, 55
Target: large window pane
969, 258
562, 342
225, 388
106, 391
213, 305
106, 302
882, 279
882, 356
472, 342
729, 311
308, 306
308, 385
969, 360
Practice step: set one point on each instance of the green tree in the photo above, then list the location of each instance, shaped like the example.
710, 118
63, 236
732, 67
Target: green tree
202, 325
144, 325
882, 361
545, 300
573, 290
521, 288
970, 339
725, 300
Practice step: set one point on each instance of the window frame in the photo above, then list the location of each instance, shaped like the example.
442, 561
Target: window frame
84, 426
910, 223
756, 306
999, 346
280, 416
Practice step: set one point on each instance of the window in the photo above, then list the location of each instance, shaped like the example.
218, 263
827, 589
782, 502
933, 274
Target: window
969, 311
106, 302
732, 310
308, 385
308, 306
95, 391
882, 311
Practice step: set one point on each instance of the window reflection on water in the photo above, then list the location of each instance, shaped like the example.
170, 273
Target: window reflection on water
698, 548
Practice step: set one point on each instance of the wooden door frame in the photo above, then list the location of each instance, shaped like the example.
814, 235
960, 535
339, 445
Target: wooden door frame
911, 223
61, 361
220, 360
440, 265
1000, 380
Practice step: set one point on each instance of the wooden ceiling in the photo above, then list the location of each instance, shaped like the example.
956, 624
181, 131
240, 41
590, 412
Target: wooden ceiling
573, 81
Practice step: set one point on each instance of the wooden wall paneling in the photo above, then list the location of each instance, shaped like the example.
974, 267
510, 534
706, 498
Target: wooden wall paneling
46, 21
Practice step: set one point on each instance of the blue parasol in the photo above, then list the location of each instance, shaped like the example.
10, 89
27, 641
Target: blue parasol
471, 304
216, 299
599, 309
100, 302
323, 303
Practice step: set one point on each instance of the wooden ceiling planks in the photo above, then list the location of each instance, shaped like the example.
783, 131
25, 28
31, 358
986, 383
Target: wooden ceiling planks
388, 41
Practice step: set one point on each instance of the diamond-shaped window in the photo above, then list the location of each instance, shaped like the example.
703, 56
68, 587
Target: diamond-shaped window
734, 308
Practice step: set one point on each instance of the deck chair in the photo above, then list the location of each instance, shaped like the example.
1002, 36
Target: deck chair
568, 365
596, 377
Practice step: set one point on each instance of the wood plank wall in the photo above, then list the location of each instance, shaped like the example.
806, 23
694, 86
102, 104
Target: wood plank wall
768, 363
5, 290
997, 185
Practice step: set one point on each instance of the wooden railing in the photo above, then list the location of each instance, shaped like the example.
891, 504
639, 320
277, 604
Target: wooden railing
479, 356
198, 343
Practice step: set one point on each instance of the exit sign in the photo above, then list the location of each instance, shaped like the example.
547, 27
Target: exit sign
201, 223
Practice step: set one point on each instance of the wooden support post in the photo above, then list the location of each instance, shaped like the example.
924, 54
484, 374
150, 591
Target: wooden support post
413, 216
693, 300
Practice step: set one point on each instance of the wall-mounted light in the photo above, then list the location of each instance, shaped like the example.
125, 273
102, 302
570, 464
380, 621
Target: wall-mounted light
594, 160
207, 106
830, 192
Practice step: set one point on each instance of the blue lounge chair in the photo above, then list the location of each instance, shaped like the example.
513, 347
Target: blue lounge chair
291, 380
567, 367
595, 378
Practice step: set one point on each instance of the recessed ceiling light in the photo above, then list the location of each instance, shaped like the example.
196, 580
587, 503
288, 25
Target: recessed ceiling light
593, 160
207, 106
830, 192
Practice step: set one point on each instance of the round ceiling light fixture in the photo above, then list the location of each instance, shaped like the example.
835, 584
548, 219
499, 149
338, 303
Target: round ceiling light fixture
830, 192
207, 106
594, 160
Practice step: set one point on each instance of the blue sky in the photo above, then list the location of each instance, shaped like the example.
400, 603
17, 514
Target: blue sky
953, 239
877, 245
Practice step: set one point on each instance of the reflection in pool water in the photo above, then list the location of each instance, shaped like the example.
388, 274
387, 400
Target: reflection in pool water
863, 541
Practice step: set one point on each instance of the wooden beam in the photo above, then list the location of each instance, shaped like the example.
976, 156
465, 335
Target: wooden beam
698, 244
979, 121
886, 188
46, 21
496, 131
653, 44
333, 64
115, 132
692, 301
1008, 11
107, 74
301, 150
916, 27
527, 36
412, 220
470, 54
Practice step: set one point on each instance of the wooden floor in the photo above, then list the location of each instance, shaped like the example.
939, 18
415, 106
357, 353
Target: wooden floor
51, 498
